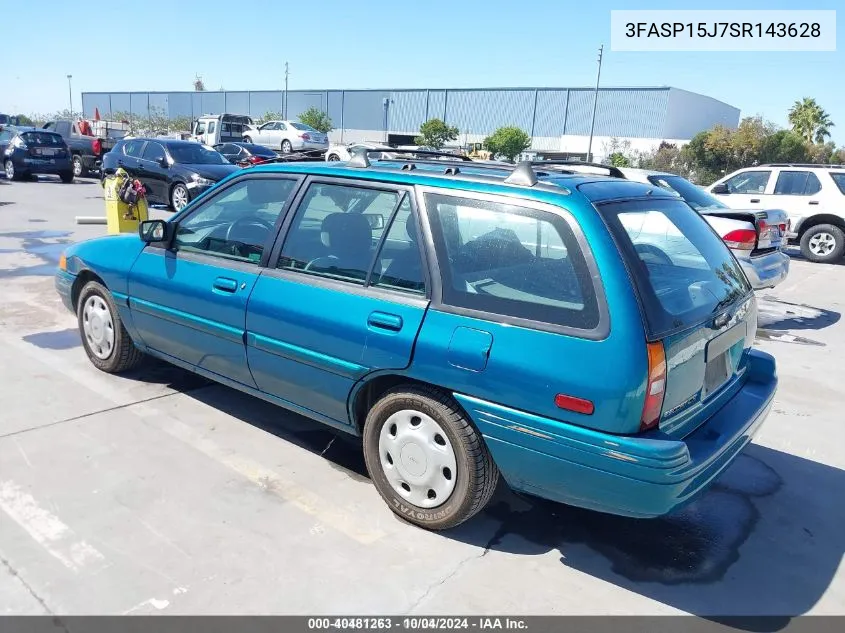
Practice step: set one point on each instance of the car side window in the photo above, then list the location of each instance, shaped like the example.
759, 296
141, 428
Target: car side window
200, 128
212, 125
153, 152
133, 148
839, 179
238, 222
511, 260
333, 234
281, 126
797, 183
399, 257
749, 182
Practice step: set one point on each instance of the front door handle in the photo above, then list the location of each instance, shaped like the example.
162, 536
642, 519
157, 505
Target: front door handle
754, 200
813, 202
385, 321
223, 284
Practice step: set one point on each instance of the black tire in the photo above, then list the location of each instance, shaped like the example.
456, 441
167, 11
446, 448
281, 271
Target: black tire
78, 166
811, 248
476, 477
67, 177
247, 139
124, 355
174, 195
333, 158
11, 172
286, 144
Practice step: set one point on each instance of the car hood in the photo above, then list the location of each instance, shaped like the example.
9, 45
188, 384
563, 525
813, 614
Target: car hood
212, 172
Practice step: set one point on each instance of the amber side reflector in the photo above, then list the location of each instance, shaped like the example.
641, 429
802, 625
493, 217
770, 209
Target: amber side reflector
655, 388
62, 262
571, 403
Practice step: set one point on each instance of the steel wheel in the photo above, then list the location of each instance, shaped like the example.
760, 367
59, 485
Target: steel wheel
98, 327
822, 244
417, 458
179, 197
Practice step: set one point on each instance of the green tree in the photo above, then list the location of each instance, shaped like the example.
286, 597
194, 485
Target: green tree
784, 146
509, 142
809, 120
618, 159
25, 120
317, 119
435, 133
269, 116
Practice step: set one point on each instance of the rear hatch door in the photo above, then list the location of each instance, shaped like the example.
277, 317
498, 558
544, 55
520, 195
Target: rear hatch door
695, 300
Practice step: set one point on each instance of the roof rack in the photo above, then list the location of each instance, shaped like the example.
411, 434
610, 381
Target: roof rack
828, 166
610, 169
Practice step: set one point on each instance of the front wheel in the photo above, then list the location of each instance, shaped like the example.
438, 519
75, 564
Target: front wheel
286, 147
823, 243
103, 336
179, 197
11, 172
426, 460
78, 167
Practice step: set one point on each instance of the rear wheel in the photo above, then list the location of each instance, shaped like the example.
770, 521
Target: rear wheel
103, 336
823, 243
179, 197
426, 460
78, 167
247, 139
333, 157
286, 147
67, 177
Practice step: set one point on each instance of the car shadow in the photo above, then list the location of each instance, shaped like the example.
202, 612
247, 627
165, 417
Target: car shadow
795, 254
765, 540
776, 314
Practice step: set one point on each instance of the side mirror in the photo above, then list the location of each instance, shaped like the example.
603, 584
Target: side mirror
376, 220
152, 231
164, 163
720, 189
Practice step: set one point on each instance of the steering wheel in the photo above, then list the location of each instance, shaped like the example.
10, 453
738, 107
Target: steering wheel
650, 253
251, 226
324, 262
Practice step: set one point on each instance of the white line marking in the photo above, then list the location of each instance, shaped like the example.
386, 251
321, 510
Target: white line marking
22, 452
46, 528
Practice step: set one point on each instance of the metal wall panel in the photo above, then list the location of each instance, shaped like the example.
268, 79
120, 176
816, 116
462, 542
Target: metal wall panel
212, 103
334, 107
436, 106
632, 113
120, 102
263, 101
551, 113
98, 100
299, 102
237, 102
364, 110
179, 104
483, 111
138, 102
407, 111
159, 104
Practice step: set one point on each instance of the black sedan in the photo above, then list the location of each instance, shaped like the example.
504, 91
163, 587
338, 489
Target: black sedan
174, 172
25, 152
246, 154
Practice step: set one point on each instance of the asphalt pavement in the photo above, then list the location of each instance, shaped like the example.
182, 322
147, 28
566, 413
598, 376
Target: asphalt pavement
159, 492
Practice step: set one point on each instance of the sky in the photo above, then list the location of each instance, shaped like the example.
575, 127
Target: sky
334, 44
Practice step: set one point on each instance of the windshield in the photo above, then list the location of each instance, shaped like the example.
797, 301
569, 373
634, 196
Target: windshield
42, 138
695, 197
683, 271
196, 154
302, 126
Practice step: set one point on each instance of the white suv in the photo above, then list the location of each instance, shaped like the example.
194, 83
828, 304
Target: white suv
812, 195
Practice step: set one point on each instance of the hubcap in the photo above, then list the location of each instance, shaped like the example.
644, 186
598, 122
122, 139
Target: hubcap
180, 198
286, 147
822, 244
98, 327
417, 458
10, 170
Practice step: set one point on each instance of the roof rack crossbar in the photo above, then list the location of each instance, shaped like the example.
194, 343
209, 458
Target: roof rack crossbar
359, 159
611, 170
420, 152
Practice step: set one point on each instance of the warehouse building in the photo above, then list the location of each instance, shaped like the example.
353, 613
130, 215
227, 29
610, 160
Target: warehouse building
558, 119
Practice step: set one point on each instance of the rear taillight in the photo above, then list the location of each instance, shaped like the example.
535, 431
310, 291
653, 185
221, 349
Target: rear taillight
655, 387
96, 146
743, 239
305, 137
255, 159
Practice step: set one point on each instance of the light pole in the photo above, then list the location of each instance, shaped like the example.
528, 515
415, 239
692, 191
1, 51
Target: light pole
595, 103
70, 95
285, 108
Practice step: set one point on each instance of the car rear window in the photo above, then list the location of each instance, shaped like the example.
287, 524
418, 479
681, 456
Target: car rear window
512, 261
682, 270
302, 126
42, 138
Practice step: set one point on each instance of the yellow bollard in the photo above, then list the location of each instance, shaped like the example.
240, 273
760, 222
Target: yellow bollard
121, 217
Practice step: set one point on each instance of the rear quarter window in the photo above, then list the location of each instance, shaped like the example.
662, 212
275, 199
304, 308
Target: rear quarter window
513, 261
839, 179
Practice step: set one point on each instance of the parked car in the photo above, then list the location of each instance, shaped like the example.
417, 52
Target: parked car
27, 151
87, 151
812, 195
213, 129
589, 338
344, 151
246, 154
287, 136
173, 172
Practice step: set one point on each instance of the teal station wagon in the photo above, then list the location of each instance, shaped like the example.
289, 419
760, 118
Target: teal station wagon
589, 338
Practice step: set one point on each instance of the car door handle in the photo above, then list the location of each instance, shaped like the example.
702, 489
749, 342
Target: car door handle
385, 321
224, 284
754, 200
813, 202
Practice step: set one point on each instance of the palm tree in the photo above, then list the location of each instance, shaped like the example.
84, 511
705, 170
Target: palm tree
809, 120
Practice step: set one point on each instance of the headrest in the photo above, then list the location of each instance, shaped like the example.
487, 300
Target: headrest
346, 231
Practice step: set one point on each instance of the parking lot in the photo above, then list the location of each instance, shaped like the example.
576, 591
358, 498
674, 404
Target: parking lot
159, 492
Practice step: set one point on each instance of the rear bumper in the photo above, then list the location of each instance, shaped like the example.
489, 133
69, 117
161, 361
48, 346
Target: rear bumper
638, 476
41, 166
765, 271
